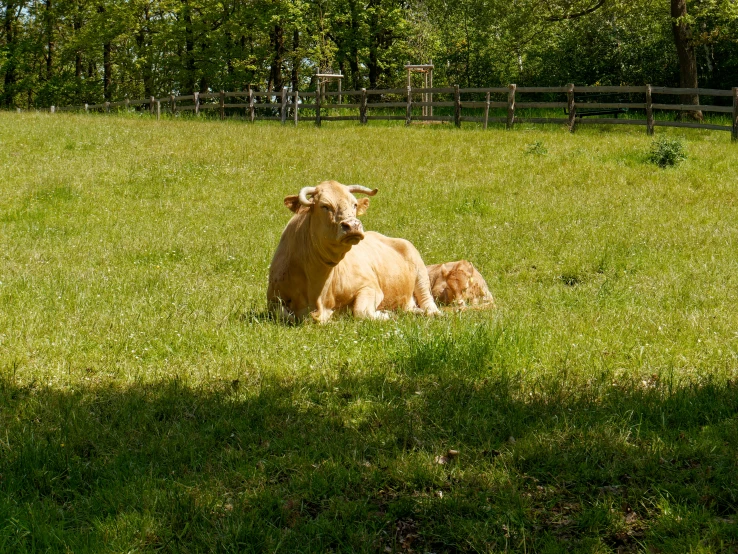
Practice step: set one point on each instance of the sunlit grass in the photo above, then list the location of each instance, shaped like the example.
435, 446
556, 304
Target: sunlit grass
147, 403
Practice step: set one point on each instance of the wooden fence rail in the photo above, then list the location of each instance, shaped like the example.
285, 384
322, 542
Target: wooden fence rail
576, 102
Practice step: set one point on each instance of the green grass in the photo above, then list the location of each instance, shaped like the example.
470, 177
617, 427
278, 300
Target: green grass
147, 404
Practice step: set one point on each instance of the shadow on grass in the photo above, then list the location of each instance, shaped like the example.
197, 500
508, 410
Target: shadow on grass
351, 463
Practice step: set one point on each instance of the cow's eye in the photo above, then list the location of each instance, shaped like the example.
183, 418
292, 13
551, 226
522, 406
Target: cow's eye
327, 208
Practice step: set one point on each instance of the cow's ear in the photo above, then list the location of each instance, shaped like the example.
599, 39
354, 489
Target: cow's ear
292, 202
466, 267
363, 206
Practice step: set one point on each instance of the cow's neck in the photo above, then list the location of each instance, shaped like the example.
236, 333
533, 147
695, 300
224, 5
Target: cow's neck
322, 256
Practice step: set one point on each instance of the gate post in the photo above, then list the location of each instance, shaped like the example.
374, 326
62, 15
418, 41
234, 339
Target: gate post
457, 106
317, 105
571, 107
649, 112
734, 135
511, 106
283, 108
362, 108
409, 109
296, 96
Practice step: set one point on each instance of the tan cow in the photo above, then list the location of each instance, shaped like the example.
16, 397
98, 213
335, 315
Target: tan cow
459, 283
325, 262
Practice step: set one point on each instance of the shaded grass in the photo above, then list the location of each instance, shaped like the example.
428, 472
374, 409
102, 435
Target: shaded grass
147, 404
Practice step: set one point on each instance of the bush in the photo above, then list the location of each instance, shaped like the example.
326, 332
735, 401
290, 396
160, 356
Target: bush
667, 152
537, 148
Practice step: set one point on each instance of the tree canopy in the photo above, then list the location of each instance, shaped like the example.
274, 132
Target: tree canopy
73, 51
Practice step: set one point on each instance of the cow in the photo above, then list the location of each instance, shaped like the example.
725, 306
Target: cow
459, 283
325, 262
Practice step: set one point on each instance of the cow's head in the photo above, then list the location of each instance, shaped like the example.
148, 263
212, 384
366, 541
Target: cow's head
334, 210
457, 278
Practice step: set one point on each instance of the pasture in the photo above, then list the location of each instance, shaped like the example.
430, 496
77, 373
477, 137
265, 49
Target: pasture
148, 404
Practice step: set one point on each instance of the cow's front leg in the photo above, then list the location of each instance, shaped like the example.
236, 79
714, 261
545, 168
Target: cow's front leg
366, 303
321, 315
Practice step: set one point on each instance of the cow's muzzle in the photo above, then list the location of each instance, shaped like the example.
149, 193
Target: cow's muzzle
352, 231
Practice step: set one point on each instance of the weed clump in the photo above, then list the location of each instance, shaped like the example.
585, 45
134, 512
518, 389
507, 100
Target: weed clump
666, 152
570, 278
537, 148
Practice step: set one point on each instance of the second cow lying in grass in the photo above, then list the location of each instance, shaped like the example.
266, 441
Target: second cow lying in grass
459, 284
325, 262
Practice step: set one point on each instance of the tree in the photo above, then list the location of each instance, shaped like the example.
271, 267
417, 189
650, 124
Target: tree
685, 50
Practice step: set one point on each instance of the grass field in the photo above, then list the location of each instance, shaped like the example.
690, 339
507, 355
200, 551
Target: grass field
147, 404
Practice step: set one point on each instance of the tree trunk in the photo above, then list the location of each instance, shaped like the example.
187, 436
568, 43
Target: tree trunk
295, 60
189, 62
353, 58
107, 66
375, 42
230, 47
107, 71
275, 73
9, 79
685, 52
50, 40
148, 72
77, 26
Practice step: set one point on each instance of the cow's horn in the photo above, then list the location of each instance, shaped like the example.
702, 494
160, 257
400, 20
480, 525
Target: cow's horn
303, 196
364, 190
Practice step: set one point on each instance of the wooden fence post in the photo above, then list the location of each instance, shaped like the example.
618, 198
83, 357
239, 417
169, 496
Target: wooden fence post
197, 103
571, 107
128, 105
86, 107
283, 108
158, 110
222, 105
649, 112
409, 109
172, 104
107, 107
252, 110
317, 105
152, 105
362, 108
486, 110
734, 135
511, 105
457, 106
295, 104
52, 109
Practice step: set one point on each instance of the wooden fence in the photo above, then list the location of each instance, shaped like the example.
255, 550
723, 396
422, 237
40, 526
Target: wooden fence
579, 103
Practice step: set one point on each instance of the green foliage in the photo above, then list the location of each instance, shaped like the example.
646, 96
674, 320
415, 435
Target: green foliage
537, 148
667, 152
71, 52
147, 403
